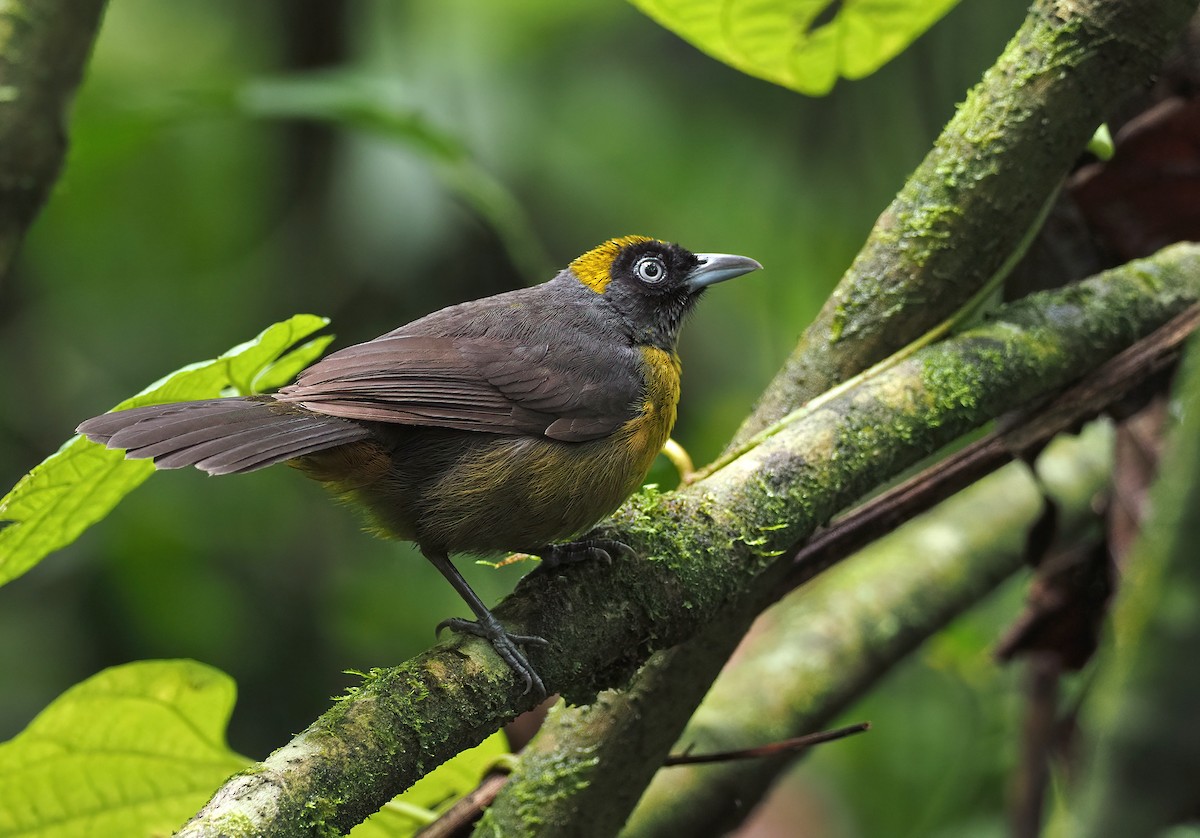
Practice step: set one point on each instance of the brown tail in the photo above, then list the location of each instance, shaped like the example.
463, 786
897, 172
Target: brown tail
220, 436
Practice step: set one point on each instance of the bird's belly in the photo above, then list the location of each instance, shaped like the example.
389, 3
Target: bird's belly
520, 493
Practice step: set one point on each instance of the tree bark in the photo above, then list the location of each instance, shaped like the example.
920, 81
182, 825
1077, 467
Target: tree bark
44, 46
643, 715
964, 211
832, 640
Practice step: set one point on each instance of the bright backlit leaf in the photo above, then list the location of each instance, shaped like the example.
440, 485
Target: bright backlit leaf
138, 749
133, 751
805, 45
81, 482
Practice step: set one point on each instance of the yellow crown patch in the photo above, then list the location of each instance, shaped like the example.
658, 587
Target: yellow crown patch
594, 268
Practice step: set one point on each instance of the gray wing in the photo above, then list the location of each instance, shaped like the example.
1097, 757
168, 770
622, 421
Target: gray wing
481, 384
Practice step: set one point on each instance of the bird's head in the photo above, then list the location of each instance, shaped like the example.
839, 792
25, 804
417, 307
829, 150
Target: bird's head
653, 284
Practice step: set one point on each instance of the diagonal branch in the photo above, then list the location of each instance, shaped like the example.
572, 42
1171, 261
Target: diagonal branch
701, 549
44, 45
837, 637
979, 190
1021, 434
711, 549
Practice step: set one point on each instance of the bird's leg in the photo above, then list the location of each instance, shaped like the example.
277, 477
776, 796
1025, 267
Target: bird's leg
485, 625
588, 549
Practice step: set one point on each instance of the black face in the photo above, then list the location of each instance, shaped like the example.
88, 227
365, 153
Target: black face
654, 267
650, 288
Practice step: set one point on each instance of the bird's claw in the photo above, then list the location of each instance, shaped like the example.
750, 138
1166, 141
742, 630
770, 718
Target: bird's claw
588, 549
507, 646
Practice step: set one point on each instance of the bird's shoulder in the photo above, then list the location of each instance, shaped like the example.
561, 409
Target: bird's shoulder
521, 314
539, 360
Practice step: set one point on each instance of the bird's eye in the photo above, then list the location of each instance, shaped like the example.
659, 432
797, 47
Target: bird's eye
650, 269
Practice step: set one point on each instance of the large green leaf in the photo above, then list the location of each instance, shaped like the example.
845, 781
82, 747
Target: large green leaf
805, 45
137, 749
80, 483
132, 751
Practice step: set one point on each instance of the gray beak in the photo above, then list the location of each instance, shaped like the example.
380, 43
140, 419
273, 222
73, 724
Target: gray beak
718, 267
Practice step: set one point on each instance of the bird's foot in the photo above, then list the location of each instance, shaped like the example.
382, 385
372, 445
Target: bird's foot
588, 549
507, 646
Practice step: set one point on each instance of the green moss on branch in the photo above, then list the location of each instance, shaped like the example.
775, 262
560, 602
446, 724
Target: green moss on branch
830, 641
975, 196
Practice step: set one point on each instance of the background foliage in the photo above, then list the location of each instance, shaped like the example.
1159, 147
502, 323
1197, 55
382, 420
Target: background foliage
195, 209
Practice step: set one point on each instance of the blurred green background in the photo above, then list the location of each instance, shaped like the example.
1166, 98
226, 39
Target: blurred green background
193, 211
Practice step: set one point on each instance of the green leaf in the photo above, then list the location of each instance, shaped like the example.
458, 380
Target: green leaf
1101, 144
436, 792
245, 361
805, 45
138, 749
282, 371
134, 751
80, 483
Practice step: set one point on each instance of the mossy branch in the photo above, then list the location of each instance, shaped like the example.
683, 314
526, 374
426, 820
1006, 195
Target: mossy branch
700, 549
625, 737
979, 190
44, 45
833, 639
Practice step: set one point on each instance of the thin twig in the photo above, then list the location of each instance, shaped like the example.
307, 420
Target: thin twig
459, 817
1037, 742
466, 811
799, 743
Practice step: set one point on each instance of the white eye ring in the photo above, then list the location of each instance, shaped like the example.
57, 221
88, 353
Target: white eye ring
650, 269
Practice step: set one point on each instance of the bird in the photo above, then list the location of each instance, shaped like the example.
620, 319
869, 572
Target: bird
511, 423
